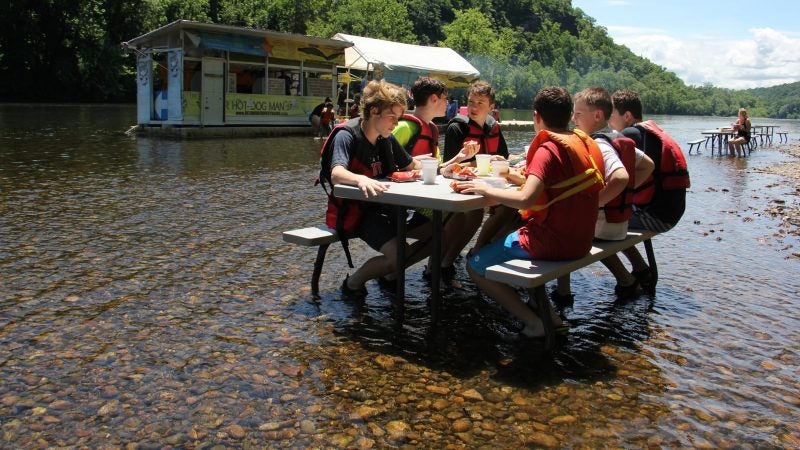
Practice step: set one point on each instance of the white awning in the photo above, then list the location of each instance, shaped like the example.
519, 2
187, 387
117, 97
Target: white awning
440, 62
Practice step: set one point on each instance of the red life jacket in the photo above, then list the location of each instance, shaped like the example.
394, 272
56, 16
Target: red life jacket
587, 165
425, 141
619, 209
344, 215
490, 142
671, 171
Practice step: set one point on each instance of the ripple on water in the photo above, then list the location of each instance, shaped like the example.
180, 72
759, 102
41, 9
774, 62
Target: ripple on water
147, 297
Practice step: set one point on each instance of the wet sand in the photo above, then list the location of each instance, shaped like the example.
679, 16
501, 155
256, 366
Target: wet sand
789, 213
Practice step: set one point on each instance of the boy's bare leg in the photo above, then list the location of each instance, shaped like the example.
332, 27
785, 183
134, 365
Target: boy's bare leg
509, 298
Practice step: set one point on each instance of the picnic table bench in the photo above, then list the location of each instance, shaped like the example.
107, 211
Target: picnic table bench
531, 275
321, 237
697, 143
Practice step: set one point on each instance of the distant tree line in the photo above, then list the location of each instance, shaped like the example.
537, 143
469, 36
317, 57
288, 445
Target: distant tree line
63, 50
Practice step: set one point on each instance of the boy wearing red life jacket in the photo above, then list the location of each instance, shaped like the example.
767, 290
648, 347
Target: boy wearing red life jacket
626, 167
416, 132
358, 153
477, 132
660, 201
564, 175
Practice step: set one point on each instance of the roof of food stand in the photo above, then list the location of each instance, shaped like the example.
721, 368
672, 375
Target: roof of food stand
366, 53
239, 39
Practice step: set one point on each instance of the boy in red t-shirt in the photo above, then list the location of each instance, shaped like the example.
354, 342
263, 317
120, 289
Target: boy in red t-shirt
565, 229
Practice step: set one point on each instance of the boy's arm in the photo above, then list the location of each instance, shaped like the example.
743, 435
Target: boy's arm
369, 186
615, 184
644, 167
453, 141
523, 198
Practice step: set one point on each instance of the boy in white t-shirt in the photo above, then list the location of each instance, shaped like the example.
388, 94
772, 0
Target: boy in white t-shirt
592, 108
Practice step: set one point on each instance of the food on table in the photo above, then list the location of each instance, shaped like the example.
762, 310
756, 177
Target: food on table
454, 185
406, 175
463, 172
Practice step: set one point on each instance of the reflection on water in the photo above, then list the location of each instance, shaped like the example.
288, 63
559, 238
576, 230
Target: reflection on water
146, 297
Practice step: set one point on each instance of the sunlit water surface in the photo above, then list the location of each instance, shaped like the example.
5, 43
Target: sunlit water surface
146, 297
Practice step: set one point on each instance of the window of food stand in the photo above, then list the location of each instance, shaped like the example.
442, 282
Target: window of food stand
317, 80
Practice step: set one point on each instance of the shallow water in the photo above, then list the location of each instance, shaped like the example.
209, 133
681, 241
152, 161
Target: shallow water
146, 298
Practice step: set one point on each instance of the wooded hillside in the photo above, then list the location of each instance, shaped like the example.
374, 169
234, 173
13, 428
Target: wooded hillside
63, 50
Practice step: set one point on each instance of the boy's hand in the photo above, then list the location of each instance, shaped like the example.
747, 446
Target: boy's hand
371, 187
470, 149
515, 177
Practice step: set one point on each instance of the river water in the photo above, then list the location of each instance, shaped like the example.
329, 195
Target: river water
148, 301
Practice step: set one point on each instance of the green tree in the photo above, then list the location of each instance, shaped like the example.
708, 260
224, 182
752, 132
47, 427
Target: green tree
162, 12
471, 33
62, 50
426, 19
380, 19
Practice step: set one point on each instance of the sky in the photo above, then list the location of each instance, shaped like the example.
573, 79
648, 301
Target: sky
732, 44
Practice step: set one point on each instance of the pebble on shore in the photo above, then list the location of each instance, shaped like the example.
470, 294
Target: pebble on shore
789, 213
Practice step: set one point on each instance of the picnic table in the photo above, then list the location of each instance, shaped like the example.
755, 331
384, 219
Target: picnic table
768, 132
719, 136
438, 197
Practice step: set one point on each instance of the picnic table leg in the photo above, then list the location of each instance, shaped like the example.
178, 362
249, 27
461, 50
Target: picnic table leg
318, 263
436, 262
651, 262
401, 253
545, 311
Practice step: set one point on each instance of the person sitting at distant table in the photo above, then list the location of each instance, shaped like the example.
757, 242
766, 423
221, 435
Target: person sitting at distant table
742, 128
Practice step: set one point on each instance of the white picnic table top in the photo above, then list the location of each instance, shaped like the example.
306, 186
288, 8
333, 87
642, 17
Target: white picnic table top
416, 194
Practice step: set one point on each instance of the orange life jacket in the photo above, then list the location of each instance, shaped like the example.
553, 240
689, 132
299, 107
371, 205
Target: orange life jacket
587, 164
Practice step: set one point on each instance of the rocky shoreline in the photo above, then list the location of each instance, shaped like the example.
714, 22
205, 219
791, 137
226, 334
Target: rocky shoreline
788, 213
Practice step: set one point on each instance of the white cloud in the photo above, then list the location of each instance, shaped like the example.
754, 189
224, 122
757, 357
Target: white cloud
768, 57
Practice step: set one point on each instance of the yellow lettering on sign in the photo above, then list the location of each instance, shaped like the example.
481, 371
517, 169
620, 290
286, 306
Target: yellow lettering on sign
269, 105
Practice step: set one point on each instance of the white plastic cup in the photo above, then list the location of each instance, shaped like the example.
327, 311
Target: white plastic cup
482, 161
500, 168
429, 168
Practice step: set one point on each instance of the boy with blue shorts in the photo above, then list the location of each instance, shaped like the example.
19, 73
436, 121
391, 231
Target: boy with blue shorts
554, 228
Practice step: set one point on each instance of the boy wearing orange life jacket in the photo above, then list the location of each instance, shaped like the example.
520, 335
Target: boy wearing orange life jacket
626, 167
564, 175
